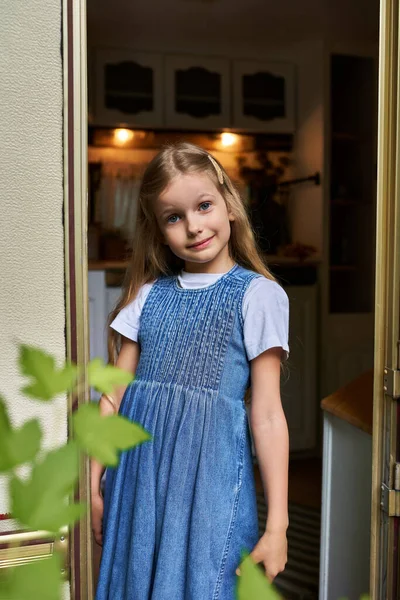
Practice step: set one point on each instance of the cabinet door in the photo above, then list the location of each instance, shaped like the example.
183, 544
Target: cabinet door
263, 96
349, 349
299, 377
197, 92
128, 89
97, 319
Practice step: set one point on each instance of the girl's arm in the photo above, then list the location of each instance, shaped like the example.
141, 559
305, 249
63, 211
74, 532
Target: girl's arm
271, 442
128, 359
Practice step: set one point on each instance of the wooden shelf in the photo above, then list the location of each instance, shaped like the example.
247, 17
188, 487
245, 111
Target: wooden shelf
107, 265
270, 259
292, 261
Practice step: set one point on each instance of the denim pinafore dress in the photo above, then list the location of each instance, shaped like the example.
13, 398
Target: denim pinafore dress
178, 510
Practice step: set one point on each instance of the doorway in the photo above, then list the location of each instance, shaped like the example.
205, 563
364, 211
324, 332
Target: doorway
313, 255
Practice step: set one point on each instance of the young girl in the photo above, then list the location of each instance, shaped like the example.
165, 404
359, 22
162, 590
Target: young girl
199, 318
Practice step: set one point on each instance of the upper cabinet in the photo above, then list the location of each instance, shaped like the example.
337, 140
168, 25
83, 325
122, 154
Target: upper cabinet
263, 96
137, 89
129, 89
197, 93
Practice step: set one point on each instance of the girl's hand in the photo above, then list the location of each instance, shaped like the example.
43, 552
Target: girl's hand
97, 518
271, 550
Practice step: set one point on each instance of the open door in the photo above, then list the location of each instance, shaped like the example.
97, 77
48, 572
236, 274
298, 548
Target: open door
385, 580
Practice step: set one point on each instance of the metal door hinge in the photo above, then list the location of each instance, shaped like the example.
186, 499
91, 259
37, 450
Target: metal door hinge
390, 501
391, 382
390, 498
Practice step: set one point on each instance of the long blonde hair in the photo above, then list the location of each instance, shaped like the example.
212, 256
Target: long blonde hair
150, 256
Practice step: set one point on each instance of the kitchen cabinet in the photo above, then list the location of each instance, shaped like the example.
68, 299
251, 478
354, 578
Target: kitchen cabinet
352, 199
180, 91
128, 89
346, 490
197, 92
263, 96
102, 300
299, 374
348, 274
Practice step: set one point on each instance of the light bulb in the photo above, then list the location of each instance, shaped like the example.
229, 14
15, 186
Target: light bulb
229, 139
123, 135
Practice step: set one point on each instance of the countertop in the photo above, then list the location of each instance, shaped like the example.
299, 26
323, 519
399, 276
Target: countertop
353, 402
271, 260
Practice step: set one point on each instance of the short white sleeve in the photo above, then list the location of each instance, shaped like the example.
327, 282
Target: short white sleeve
127, 320
266, 317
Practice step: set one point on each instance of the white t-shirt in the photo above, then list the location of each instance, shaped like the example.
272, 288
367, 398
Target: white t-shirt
265, 312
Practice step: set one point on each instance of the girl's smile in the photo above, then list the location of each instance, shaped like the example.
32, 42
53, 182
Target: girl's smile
195, 223
203, 244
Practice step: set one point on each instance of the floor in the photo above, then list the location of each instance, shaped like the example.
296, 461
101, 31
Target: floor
305, 482
300, 580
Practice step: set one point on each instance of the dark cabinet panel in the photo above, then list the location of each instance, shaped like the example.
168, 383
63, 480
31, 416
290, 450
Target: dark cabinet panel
128, 88
263, 96
197, 92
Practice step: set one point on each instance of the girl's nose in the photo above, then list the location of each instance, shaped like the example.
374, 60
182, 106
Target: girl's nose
193, 226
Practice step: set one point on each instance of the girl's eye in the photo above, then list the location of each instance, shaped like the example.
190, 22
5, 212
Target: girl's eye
205, 205
172, 219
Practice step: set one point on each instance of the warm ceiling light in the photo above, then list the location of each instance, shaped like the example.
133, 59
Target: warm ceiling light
229, 139
123, 135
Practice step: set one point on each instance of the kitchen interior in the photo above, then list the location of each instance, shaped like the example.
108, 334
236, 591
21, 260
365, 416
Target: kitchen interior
285, 96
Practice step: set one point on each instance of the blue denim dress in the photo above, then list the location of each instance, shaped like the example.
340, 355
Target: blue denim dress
179, 509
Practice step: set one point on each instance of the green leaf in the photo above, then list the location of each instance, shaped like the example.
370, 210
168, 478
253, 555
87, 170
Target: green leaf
39, 580
252, 583
104, 378
17, 446
41, 502
47, 382
102, 437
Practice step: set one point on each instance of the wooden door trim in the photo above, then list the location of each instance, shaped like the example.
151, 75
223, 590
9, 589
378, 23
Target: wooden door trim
76, 264
386, 298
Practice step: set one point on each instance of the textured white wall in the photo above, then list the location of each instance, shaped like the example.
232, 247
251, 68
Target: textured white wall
31, 202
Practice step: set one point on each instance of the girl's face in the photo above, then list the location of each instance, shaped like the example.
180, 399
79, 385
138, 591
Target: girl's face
195, 223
